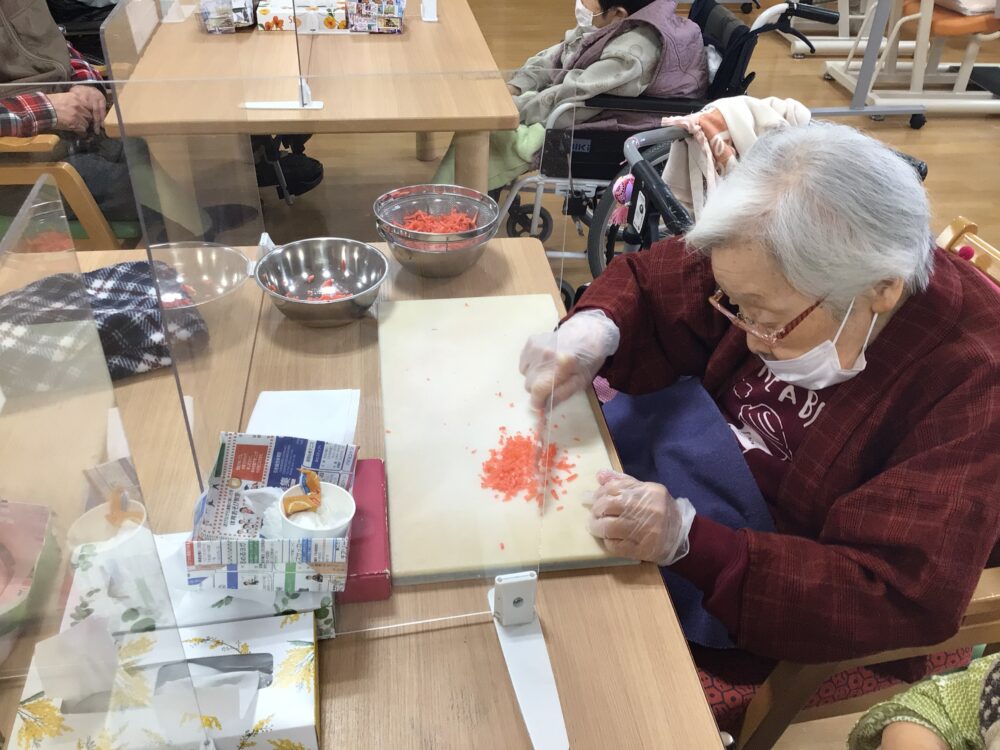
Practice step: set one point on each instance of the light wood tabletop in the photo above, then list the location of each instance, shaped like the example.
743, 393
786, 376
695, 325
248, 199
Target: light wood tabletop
434, 77
621, 663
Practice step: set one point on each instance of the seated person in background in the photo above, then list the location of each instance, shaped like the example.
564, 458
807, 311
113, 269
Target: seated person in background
959, 711
837, 495
619, 47
51, 89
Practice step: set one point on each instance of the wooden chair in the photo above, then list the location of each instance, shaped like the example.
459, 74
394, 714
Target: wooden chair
98, 232
779, 701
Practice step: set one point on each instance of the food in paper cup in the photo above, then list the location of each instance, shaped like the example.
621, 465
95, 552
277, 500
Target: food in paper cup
106, 527
331, 519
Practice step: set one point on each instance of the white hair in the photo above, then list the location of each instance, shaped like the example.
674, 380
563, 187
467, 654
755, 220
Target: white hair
837, 210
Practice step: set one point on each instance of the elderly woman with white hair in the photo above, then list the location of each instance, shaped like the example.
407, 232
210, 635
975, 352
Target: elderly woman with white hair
834, 377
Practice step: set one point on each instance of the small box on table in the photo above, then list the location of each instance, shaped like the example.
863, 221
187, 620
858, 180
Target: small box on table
323, 18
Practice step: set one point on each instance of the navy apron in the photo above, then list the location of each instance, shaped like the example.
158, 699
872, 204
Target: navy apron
679, 438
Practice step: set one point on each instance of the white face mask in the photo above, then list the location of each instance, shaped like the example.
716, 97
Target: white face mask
585, 16
820, 366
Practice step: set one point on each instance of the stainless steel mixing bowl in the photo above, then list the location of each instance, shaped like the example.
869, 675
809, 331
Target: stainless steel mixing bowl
429, 253
294, 274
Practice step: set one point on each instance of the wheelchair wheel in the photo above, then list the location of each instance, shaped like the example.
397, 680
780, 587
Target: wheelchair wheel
519, 223
604, 241
567, 293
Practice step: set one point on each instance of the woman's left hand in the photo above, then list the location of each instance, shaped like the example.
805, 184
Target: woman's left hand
640, 520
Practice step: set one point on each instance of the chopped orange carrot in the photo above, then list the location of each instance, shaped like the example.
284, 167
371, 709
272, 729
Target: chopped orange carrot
517, 467
560, 507
502, 547
449, 223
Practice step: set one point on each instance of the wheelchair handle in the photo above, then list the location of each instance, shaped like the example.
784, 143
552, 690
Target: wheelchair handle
813, 13
779, 16
639, 141
674, 215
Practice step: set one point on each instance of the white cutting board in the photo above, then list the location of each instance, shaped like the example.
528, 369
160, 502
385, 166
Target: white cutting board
443, 364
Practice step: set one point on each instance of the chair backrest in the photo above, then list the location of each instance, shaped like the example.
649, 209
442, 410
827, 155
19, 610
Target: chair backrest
721, 28
960, 238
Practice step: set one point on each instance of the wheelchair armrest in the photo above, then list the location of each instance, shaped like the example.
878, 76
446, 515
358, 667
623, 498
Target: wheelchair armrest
667, 106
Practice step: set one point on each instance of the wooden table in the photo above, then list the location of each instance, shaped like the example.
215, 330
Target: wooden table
435, 77
623, 669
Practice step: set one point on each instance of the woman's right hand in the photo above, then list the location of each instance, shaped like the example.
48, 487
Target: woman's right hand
556, 365
72, 113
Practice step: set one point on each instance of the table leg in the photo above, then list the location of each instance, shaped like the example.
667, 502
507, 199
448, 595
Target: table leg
472, 151
425, 147
922, 47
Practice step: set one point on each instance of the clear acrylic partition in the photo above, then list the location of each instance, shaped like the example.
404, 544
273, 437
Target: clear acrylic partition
90, 655
434, 360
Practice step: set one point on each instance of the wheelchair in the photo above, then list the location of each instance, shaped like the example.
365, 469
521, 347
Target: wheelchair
653, 212
580, 164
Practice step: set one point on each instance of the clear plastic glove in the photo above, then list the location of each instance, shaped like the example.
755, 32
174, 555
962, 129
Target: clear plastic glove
556, 365
640, 520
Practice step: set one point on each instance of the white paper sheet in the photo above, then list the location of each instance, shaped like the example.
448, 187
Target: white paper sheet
78, 662
330, 416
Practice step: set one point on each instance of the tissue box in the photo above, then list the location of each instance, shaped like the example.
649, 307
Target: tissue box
255, 684
323, 18
140, 602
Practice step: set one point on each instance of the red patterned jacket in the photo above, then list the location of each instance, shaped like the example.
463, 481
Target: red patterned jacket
890, 508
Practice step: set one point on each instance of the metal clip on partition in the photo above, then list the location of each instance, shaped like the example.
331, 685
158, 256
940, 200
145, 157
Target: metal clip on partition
512, 601
514, 598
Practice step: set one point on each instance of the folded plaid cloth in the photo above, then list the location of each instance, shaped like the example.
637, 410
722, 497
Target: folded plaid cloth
47, 327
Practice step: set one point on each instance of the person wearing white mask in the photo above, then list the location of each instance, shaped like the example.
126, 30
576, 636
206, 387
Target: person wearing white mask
620, 47
854, 370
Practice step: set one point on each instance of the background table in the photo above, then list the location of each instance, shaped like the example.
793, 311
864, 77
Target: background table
434, 77
623, 669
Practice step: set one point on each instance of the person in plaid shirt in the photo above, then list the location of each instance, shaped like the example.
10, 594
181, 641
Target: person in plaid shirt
77, 110
858, 370
54, 90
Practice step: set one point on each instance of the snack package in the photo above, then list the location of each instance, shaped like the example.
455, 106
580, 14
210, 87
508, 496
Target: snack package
376, 17
217, 16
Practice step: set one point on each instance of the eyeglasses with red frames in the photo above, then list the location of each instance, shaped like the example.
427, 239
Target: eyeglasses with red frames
721, 302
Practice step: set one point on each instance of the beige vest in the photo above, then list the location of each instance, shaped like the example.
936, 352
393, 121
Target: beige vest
33, 53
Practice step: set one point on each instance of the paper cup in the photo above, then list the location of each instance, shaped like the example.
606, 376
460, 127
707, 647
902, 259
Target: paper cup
331, 493
93, 528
